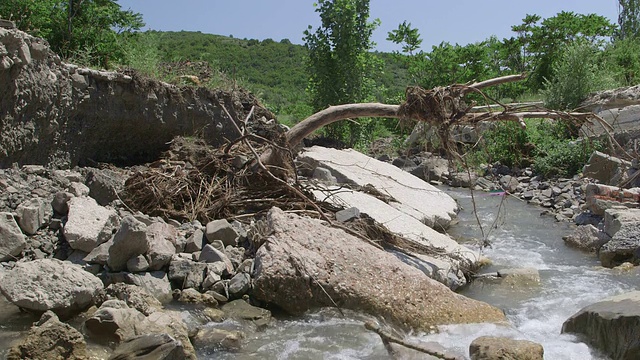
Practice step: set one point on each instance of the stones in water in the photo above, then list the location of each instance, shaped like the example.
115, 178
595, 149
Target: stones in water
149, 346
498, 348
611, 325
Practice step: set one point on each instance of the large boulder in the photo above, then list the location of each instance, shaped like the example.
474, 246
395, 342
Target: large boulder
607, 169
623, 247
12, 239
32, 215
586, 238
88, 224
130, 241
614, 218
116, 321
611, 325
104, 185
500, 348
50, 339
50, 284
162, 239
148, 347
409, 194
306, 265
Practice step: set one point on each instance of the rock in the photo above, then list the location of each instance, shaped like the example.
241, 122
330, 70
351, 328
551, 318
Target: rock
50, 284
149, 347
403, 162
78, 189
88, 224
115, 321
239, 284
171, 322
485, 184
614, 218
31, 215
221, 230
512, 277
59, 203
442, 266
624, 246
162, 239
137, 264
135, 297
209, 254
500, 348
356, 276
435, 168
185, 274
588, 218
99, 255
324, 175
240, 309
194, 297
155, 283
602, 197
195, 242
13, 240
605, 168
348, 214
409, 192
586, 238
129, 241
210, 280
213, 339
104, 185
610, 325
509, 183
50, 339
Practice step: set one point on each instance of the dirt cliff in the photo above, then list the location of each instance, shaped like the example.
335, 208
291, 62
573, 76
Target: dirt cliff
62, 115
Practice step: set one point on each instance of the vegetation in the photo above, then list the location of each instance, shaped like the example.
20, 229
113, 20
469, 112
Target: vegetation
567, 56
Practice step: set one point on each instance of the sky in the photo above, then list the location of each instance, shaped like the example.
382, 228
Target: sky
459, 21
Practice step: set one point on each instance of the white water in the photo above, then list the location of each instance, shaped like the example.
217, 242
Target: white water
570, 280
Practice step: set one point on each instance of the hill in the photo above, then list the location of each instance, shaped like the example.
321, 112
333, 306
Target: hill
273, 70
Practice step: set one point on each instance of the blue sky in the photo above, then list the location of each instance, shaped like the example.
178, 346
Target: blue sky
459, 21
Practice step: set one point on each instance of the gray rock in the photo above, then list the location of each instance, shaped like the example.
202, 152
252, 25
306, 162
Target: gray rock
59, 203
162, 238
614, 218
50, 284
324, 175
31, 215
149, 347
588, 218
137, 264
78, 189
135, 297
348, 214
246, 266
99, 255
240, 309
403, 162
115, 321
13, 240
586, 238
221, 230
130, 241
50, 339
155, 283
218, 245
185, 274
624, 246
605, 168
210, 254
495, 348
239, 284
213, 339
211, 279
610, 325
509, 183
88, 224
195, 242
104, 185
193, 296
435, 168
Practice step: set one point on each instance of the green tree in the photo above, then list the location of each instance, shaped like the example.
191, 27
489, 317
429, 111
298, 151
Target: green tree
628, 19
340, 65
94, 30
408, 37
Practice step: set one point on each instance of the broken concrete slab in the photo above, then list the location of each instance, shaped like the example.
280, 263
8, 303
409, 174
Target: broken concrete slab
448, 258
605, 168
410, 194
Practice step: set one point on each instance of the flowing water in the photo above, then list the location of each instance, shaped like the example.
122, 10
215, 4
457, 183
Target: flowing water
520, 237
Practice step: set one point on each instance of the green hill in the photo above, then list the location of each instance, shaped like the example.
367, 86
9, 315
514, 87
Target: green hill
273, 70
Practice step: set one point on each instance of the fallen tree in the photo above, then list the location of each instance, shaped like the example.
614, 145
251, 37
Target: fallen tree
442, 107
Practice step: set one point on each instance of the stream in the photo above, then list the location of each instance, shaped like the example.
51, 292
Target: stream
520, 237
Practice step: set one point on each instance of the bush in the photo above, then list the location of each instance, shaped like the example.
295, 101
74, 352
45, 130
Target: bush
576, 74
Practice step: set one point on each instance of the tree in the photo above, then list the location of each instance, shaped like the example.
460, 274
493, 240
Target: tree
404, 34
341, 69
628, 19
90, 29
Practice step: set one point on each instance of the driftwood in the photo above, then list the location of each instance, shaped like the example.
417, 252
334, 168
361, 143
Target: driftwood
442, 107
388, 338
